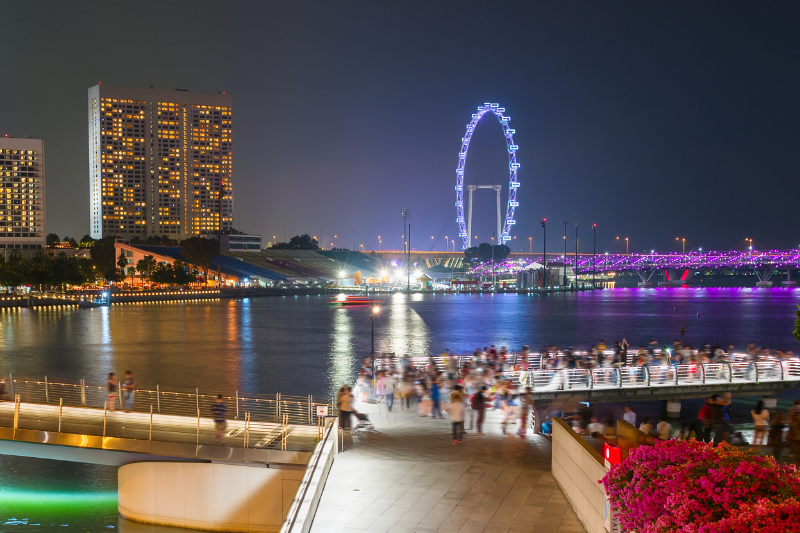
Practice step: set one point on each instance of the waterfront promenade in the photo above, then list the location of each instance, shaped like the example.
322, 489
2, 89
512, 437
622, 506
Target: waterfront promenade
408, 477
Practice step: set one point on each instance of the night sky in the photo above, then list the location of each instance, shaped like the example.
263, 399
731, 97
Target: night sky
652, 119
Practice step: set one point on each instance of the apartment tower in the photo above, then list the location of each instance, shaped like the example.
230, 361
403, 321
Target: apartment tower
22, 215
160, 162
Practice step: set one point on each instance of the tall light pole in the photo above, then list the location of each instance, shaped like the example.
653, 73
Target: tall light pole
594, 254
405, 213
354, 240
372, 312
530, 243
626, 246
544, 253
564, 281
576, 255
492, 259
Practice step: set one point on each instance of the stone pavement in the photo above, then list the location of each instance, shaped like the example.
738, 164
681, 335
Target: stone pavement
408, 477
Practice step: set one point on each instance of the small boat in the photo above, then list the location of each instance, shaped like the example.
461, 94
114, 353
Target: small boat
350, 301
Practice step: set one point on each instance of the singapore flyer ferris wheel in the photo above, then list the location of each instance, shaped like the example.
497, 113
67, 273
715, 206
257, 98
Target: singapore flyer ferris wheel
465, 224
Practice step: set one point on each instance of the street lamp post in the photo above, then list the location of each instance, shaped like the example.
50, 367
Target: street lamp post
544, 253
564, 280
372, 312
626, 246
530, 243
594, 255
576, 255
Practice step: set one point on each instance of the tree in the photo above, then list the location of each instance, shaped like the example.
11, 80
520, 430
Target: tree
12, 271
162, 273
72, 242
233, 231
146, 265
122, 264
155, 240
298, 242
183, 273
52, 239
200, 252
39, 269
103, 258
136, 240
797, 324
86, 241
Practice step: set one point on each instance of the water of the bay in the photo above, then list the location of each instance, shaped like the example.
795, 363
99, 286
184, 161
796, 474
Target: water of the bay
298, 345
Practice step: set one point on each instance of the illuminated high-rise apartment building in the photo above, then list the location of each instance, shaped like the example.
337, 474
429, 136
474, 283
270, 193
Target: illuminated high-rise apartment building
21, 195
160, 162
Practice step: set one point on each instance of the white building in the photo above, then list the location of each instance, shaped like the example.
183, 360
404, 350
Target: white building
241, 243
160, 162
22, 207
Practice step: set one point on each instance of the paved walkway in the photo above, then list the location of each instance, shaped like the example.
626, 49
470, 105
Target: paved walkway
408, 477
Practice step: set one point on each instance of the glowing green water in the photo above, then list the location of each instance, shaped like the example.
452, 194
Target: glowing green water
37, 495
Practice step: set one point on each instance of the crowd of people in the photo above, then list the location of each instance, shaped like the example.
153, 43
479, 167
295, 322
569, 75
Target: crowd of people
464, 388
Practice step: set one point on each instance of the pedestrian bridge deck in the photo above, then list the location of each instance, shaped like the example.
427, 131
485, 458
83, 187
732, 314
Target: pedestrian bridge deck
43, 421
407, 476
623, 383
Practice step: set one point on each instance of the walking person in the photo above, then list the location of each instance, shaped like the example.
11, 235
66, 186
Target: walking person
129, 387
793, 435
525, 407
456, 411
388, 391
629, 416
111, 390
219, 411
479, 406
761, 422
345, 405
436, 409
776, 436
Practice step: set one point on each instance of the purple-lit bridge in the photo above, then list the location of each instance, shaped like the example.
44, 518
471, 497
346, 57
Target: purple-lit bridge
678, 265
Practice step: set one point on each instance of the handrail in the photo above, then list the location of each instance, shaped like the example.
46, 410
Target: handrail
300, 410
305, 483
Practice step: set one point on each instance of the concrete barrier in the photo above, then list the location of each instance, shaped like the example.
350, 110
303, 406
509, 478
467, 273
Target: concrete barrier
209, 496
304, 506
577, 468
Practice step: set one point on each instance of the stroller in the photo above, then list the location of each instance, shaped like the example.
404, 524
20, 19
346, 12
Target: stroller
363, 422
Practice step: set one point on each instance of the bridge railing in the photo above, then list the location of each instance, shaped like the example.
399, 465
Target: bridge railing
300, 410
608, 377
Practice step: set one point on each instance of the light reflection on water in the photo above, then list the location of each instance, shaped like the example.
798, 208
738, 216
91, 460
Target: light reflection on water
343, 359
300, 346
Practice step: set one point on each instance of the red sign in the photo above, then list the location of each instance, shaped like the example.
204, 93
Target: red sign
612, 453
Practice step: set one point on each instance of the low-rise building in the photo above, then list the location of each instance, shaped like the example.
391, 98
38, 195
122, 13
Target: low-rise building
241, 243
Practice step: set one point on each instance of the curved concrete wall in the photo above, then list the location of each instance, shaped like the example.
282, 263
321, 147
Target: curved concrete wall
218, 497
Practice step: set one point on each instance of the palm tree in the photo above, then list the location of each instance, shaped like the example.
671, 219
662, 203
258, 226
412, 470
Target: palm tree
145, 266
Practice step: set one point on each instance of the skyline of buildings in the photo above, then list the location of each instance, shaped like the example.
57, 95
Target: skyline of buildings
157, 162
22, 194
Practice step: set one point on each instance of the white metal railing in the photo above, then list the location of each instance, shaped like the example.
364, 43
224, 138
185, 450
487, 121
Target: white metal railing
304, 504
541, 379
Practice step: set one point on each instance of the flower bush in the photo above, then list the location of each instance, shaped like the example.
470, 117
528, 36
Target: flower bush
692, 487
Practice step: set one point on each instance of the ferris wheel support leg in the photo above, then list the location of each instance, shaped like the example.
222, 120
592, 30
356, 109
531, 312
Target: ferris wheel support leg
499, 229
